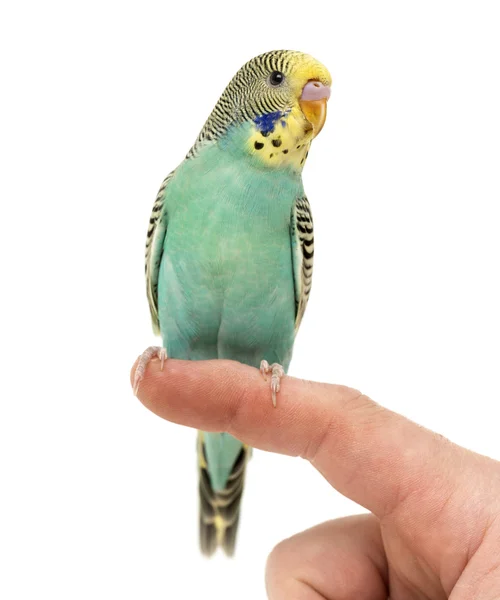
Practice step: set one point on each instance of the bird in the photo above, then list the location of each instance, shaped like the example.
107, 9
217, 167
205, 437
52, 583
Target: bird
230, 248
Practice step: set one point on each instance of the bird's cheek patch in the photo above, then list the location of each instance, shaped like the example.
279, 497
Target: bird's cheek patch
285, 144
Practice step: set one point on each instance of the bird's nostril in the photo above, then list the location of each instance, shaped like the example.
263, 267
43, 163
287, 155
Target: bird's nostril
315, 90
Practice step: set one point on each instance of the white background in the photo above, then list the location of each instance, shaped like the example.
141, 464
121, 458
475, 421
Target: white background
100, 100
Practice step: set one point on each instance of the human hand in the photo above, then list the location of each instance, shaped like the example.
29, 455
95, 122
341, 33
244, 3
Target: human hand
433, 530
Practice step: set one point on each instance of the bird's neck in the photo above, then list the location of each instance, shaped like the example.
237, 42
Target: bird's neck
276, 142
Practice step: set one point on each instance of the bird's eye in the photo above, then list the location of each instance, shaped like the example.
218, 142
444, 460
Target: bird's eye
276, 78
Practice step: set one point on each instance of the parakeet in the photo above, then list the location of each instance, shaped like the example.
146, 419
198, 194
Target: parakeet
229, 252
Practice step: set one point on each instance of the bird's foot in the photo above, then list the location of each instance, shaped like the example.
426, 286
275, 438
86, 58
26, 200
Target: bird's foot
146, 356
277, 373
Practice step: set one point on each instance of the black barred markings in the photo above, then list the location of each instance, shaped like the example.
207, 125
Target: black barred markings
303, 228
154, 251
258, 145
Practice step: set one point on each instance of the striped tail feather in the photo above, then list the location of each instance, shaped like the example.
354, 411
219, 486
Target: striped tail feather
220, 510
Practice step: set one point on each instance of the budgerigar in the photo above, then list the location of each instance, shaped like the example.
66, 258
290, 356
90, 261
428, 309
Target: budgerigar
229, 251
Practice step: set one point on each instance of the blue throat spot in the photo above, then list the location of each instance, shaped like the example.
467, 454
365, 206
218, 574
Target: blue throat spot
266, 123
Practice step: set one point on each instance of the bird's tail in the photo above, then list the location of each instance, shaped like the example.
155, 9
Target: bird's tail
220, 510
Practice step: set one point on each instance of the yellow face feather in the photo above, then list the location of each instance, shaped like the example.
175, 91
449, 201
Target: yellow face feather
306, 68
288, 144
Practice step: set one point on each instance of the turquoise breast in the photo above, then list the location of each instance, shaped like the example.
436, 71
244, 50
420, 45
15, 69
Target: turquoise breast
226, 280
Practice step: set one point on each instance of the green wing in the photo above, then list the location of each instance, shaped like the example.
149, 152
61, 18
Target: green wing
302, 237
157, 230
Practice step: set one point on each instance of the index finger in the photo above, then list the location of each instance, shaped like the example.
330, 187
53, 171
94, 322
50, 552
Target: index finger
368, 453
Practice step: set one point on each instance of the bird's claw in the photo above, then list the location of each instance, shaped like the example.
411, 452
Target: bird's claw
277, 373
264, 369
146, 356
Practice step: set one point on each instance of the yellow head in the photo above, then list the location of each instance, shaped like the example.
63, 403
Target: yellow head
282, 97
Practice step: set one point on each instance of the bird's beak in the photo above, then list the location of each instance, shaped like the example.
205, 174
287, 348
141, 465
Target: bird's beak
313, 104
